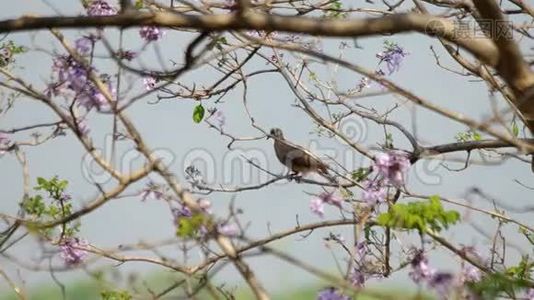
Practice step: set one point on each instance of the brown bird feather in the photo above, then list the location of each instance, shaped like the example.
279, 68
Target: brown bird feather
295, 157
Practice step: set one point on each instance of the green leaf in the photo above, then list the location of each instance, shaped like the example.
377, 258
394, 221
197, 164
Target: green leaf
421, 216
115, 295
188, 227
360, 174
34, 205
495, 284
198, 113
138, 4
515, 129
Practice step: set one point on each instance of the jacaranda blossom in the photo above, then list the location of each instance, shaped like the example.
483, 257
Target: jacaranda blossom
331, 294
75, 77
83, 45
100, 8
442, 283
317, 207
72, 250
357, 278
421, 271
392, 166
393, 56
229, 230
331, 198
205, 205
152, 191
151, 33
373, 192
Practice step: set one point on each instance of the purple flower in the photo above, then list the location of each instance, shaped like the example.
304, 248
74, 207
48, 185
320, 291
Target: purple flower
471, 273
84, 45
150, 83
220, 118
373, 192
421, 271
530, 294
317, 207
331, 198
442, 283
229, 230
75, 77
392, 166
92, 97
100, 8
152, 191
361, 249
182, 212
151, 33
393, 56
205, 205
331, 294
357, 278
72, 250
126, 54
64, 197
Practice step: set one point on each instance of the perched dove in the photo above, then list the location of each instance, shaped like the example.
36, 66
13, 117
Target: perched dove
296, 158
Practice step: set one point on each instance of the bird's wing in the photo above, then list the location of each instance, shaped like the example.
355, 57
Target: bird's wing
293, 155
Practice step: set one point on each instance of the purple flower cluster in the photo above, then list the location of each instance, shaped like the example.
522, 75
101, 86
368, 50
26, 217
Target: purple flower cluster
357, 278
151, 33
100, 8
331, 294
317, 203
392, 166
75, 77
72, 250
205, 205
84, 45
441, 282
393, 55
373, 192
228, 229
182, 212
421, 271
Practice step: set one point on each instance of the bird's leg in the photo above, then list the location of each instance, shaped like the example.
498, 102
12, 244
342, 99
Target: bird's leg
295, 176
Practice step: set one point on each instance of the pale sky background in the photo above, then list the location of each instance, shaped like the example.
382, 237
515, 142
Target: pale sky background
168, 127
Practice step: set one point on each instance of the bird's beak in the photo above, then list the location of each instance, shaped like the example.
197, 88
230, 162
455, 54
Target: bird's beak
268, 136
